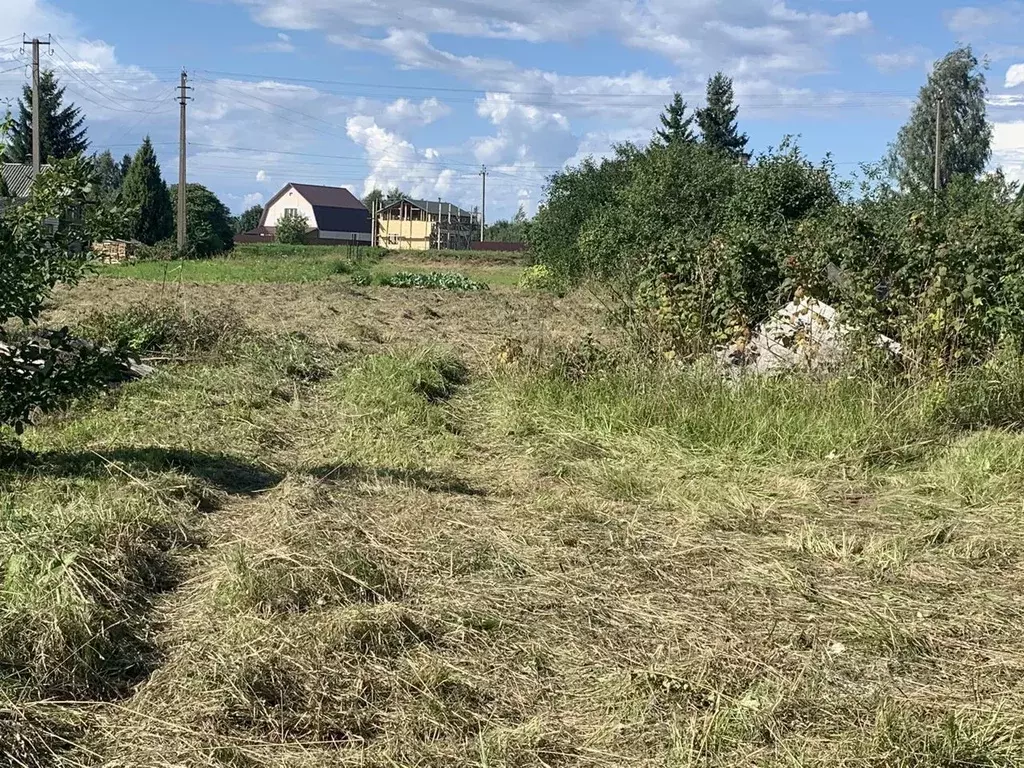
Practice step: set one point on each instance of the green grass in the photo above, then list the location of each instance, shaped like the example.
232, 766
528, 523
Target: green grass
245, 268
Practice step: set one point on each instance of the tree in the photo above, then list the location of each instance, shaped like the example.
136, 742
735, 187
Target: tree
249, 220
61, 131
957, 83
394, 194
717, 120
676, 126
126, 163
374, 198
292, 228
208, 221
515, 231
151, 216
106, 175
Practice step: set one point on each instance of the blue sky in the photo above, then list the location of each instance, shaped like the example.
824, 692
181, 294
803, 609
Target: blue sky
421, 94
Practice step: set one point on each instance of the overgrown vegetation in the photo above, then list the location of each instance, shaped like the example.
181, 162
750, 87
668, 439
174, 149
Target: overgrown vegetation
445, 281
41, 246
728, 242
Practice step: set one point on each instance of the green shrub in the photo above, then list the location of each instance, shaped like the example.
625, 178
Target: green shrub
445, 281
291, 229
539, 277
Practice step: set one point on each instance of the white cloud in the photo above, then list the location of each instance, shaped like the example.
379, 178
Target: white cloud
896, 61
741, 36
406, 112
971, 19
283, 44
1014, 76
261, 175
394, 161
1008, 148
253, 198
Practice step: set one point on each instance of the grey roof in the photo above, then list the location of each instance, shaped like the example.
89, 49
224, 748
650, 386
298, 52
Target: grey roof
18, 178
432, 206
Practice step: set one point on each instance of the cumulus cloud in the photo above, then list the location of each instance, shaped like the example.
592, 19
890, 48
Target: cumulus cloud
1015, 76
394, 161
1008, 148
261, 175
253, 198
406, 112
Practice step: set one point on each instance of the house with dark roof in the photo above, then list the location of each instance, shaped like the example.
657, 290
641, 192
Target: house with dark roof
421, 225
17, 179
334, 214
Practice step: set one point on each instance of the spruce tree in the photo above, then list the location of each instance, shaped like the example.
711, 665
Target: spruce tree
146, 196
61, 131
126, 163
717, 120
959, 82
676, 128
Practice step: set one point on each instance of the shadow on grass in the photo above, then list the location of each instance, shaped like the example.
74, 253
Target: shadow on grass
432, 482
221, 471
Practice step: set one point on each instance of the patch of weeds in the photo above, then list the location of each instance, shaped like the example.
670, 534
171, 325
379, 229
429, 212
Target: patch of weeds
906, 737
443, 281
167, 328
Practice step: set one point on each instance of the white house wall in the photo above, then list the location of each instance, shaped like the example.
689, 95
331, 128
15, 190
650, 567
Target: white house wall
290, 199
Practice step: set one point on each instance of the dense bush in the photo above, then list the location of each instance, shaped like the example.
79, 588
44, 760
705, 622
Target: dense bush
291, 229
41, 247
942, 274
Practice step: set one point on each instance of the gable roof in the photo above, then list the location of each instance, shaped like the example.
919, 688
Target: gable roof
431, 206
328, 197
335, 209
18, 178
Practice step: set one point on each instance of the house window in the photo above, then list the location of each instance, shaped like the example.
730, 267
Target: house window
292, 211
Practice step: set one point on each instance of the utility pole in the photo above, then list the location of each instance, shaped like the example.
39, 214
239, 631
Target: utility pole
37, 160
182, 175
483, 202
938, 144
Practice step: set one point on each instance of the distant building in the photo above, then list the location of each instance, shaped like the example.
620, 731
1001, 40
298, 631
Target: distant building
17, 180
334, 214
422, 225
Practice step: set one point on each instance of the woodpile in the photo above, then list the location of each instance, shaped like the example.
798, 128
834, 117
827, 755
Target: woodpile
116, 251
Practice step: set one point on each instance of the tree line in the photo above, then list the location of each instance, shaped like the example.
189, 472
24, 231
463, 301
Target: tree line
132, 182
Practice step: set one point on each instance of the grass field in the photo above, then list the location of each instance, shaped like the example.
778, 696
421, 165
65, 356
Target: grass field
261, 268
377, 527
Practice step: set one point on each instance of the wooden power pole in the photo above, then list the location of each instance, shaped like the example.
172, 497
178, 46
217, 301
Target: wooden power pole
938, 143
483, 202
37, 159
182, 169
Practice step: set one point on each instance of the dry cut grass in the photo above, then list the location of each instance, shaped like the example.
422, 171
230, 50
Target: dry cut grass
552, 558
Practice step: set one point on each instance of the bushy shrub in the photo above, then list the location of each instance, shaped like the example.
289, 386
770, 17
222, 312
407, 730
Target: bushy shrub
291, 229
539, 277
42, 371
942, 275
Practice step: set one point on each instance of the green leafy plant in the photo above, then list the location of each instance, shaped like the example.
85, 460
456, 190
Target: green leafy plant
43, 243
292, 228
445, 281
